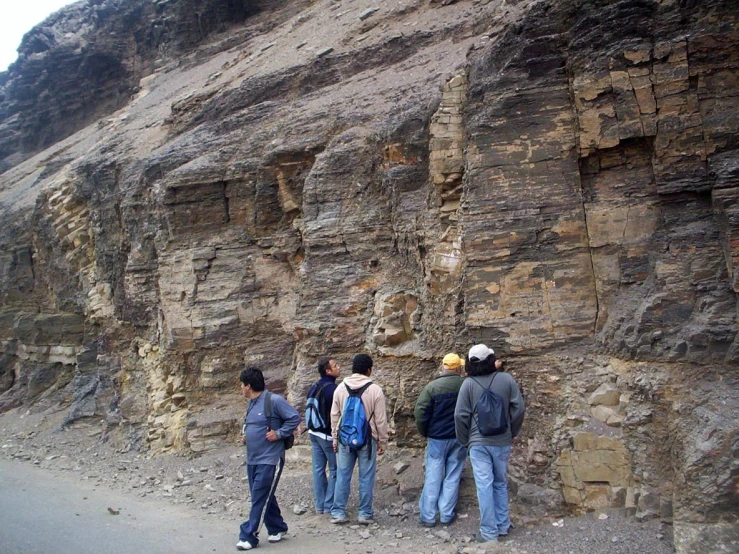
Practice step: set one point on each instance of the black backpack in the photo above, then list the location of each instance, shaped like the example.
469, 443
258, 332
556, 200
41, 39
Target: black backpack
290, 439
490, 408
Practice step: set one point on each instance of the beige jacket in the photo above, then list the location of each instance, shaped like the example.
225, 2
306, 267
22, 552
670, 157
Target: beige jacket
374, 403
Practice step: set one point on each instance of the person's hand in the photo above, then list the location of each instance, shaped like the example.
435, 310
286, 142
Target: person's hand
380, 450
272, 436
336, 446
243, 439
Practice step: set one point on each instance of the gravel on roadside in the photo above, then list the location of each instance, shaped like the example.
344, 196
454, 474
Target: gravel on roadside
214, 484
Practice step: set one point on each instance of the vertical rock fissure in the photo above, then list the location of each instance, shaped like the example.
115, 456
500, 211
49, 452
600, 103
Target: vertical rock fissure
446, 171
592, 268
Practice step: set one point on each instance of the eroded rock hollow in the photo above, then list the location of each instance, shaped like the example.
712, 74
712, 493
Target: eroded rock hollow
189, 187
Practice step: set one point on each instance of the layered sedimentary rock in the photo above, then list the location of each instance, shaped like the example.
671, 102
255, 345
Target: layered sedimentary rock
557, 179
87, 60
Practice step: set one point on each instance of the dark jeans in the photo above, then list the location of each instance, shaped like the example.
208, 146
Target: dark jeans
263, 479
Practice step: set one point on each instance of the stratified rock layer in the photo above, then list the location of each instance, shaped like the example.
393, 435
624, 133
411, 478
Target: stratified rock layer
87, 59
556, 179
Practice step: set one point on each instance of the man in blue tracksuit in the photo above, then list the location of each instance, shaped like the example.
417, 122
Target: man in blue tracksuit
265, 457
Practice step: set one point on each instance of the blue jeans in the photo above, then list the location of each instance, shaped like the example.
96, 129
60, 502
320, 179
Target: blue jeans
490, 468
323, 487
366, 457
444, 464
263, 479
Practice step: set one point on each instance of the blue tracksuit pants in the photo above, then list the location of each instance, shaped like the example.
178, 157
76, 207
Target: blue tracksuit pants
263, 480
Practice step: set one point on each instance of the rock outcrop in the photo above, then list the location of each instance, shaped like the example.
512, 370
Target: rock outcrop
87, 60
557, 179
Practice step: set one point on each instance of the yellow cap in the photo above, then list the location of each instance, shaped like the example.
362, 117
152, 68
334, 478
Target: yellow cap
452, 361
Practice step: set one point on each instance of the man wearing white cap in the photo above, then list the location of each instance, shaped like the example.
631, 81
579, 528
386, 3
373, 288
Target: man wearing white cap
489, 413
445, 457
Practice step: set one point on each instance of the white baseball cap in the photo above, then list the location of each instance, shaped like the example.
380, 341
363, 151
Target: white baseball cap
480, 352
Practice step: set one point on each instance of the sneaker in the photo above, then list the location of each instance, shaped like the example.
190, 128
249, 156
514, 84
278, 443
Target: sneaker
338, 520
277, 537
447, 523
243, 545
365, 520
478, 538
428, 524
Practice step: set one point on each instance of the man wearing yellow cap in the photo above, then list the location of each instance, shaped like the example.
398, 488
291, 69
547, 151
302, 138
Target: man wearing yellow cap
445, 457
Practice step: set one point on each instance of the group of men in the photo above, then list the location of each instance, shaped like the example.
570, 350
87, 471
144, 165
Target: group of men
477, 416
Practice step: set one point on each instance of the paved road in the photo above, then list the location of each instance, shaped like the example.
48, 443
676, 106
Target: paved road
41, 512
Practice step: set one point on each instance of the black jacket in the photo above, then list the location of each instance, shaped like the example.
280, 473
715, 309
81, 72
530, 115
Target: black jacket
434, 413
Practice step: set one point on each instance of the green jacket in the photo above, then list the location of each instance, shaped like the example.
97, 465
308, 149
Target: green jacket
434, 413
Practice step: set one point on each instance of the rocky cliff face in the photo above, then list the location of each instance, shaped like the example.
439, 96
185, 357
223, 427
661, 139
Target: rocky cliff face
87, 60
557, 179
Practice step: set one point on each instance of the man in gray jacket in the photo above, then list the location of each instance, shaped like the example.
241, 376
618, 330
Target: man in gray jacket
486, 396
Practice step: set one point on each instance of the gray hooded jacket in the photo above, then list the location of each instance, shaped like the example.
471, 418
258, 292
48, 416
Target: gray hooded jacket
465, 419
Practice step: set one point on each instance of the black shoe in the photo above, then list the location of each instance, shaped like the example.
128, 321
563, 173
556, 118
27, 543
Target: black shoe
511, 527
447, 523
428, 524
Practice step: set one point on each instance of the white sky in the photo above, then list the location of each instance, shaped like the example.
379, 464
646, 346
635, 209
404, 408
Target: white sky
17, 17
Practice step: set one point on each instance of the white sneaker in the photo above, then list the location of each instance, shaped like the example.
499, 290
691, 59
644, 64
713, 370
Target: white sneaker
243, 545
276, 537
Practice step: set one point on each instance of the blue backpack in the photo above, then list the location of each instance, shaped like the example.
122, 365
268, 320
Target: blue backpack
315, 410
354, 428
490, 408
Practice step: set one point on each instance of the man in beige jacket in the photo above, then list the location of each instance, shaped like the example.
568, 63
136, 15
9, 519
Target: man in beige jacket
369, 438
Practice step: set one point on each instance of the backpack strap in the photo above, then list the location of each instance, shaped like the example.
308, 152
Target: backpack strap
319, 389
495, 374
268, 408
491, 381
359, 391
322, 402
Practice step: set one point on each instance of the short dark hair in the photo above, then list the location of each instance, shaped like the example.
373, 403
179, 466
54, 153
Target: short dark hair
362, 363
323, 365
253, 377
478, 368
